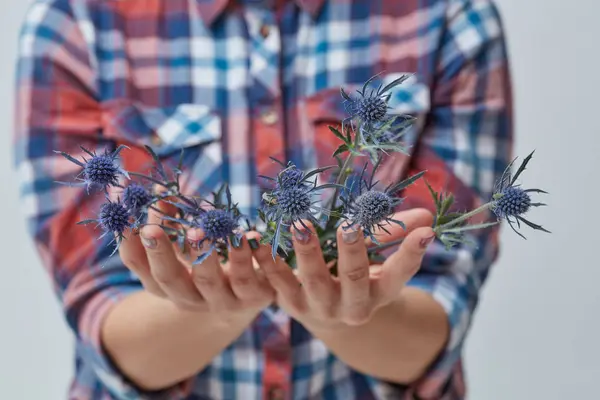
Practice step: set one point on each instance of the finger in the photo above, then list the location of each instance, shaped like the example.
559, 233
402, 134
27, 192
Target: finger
353, 272
404, 263
192, 249
320, 289
279, 275
133, 255
242, 276
209, 278
166, 269
411, 219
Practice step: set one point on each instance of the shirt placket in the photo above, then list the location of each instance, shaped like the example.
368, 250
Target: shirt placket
266, 108
265, 95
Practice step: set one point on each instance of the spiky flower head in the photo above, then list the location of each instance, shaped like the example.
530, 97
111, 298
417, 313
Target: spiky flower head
371, 208
510, 201
289, 177
290, 203
371, 109
370, 106
99, 171
114, 218
219, 224
137, 198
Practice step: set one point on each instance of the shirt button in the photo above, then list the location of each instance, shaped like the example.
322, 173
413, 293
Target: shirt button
276, 393
156, 140
264, 31
269, 117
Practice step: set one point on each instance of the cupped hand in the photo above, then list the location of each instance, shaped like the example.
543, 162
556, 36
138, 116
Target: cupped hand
167, 272
316, 298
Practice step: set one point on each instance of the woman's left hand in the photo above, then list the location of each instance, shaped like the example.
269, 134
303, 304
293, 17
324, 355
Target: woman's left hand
317, 299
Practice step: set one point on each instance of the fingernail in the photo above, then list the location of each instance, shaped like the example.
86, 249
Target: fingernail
425, 242
253, 244
149, 242
351, 235
235, 241
302, 236
193, 244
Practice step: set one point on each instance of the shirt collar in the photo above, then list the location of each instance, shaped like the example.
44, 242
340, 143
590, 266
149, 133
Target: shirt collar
210, 10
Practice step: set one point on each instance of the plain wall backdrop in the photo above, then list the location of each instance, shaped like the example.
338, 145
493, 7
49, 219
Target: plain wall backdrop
535, 335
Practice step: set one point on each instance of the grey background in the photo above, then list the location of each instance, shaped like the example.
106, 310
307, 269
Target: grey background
536, 332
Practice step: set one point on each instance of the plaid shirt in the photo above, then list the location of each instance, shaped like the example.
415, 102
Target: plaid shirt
233, 83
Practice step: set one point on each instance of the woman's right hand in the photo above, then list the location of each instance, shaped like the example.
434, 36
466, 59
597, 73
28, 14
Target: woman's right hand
230, 289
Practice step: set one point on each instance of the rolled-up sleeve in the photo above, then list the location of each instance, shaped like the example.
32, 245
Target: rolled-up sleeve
465, 146
58, 108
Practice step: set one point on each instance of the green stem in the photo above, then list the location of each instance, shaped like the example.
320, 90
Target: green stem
341, 177
465, 217
384, 246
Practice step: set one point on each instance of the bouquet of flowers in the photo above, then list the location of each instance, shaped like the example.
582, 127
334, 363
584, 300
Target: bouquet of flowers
369, 134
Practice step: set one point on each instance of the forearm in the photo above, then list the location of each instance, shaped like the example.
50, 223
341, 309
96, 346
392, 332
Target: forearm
157, 345
399, 342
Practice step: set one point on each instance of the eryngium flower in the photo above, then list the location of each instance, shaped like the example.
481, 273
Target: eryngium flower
370, 208
218, 224
292, 201
370, 107
137, 199
511, 201
114, 218
100, 171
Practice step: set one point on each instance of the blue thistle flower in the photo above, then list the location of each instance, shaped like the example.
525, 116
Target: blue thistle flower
219, 224
370, 208
100, 171
138, 199
290, 176
370, 107
114, 218
291, 202
511, 201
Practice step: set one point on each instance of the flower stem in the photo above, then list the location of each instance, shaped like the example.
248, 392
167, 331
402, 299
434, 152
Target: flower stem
464, 217
340, 178
384, 246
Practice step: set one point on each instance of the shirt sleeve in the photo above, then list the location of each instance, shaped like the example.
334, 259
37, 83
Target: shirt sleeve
465, 146
58, 108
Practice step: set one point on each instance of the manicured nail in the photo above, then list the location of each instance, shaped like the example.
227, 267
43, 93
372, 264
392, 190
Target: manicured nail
149, 242
351, 235
425, 242
302, 236
253, 244
235, 241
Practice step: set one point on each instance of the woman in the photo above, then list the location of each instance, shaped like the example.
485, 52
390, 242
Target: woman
234, 83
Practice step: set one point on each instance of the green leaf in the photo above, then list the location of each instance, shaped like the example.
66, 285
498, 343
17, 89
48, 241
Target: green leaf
340, 150
446, 204
435, 197
337, 133
405, 183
